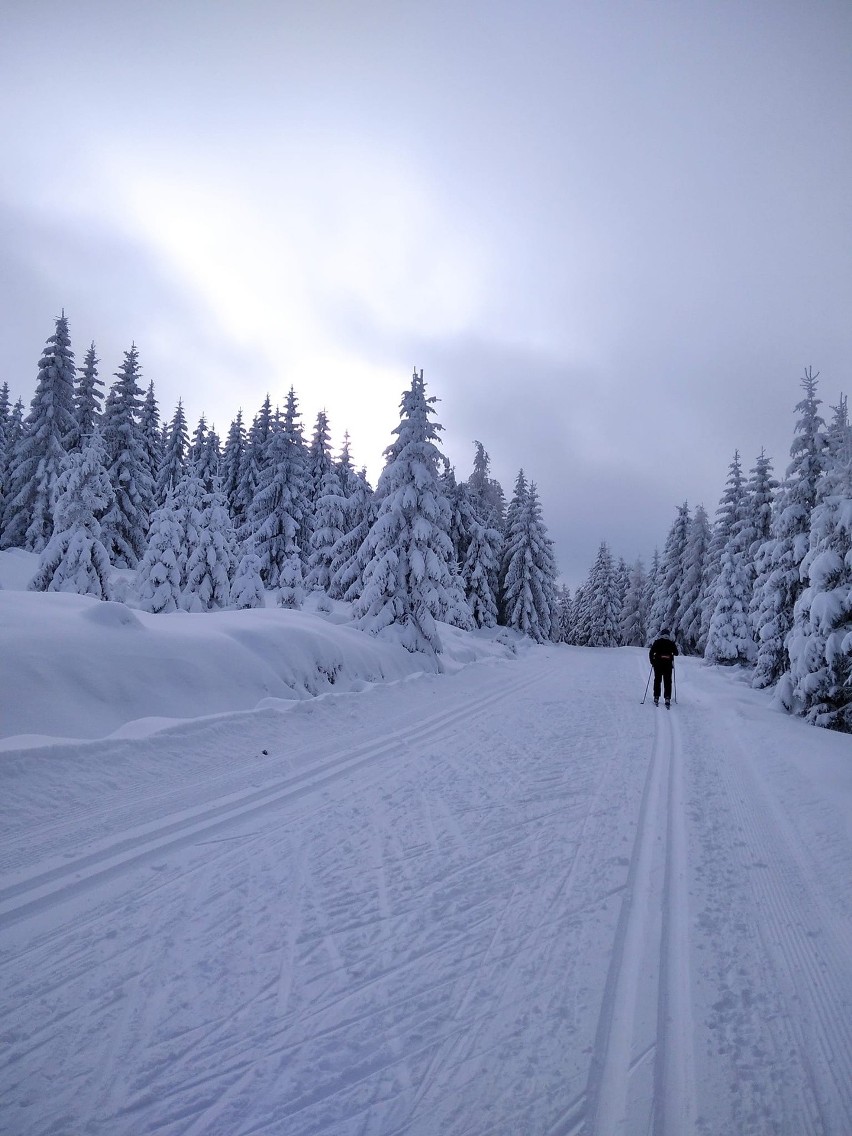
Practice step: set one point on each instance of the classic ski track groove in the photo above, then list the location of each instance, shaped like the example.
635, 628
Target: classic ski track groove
28, 897
660, 821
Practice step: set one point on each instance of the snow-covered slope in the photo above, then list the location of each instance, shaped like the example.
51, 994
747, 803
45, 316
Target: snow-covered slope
74, 666
505, 899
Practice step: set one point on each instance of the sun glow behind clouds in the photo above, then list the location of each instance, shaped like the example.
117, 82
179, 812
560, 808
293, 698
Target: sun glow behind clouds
324, 266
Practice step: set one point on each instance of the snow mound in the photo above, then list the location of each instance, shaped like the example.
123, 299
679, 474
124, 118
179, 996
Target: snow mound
77, 667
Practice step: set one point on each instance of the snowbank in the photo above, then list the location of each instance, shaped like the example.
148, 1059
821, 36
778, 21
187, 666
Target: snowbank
75, 667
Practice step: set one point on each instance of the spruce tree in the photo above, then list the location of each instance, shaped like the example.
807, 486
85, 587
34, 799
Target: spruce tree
633, 625
319, 461
480, 572
487, 493
152, 435
602, 612
564, 614
188, 514
347, 564
516, 504
125, 526
247, 589
38, 455
158, 577
233, 459
175, 450
669, 580
779, 559
5, 422
88, 401
329, 525
75, 559
407, 582
211, 563
727, 515
691, 597
529, 582
278, 511
820, 641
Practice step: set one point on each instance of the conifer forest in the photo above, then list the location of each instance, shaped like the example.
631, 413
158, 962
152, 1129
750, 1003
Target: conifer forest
95, 477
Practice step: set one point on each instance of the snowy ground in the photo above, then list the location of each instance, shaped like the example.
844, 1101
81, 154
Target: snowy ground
507, 899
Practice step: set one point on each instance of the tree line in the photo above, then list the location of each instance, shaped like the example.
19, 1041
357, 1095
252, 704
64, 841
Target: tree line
93, 481
766, 586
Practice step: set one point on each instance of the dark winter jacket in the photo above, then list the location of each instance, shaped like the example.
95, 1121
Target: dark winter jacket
662, 653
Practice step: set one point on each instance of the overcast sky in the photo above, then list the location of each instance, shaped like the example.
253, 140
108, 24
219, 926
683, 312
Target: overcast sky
612, 234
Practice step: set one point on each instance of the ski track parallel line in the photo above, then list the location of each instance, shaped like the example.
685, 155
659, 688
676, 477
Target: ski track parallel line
23, 899
607, 1089
674, 1096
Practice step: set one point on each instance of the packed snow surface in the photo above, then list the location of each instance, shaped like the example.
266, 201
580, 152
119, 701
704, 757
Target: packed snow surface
262, 874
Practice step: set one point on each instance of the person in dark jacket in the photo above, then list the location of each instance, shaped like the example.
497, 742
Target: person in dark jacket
662, 656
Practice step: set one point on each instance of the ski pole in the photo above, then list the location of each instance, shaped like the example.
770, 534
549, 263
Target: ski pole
647, 684
674, 682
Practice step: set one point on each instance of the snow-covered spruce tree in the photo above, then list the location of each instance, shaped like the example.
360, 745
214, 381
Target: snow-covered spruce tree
779, 559
669, 580
210, 565
39, 454
233, 458
580, 618
651, 587
188, 512
291, 583
203, 454
633, 625
727, 515
691, 598
602, 611
820, 643
5, 411
247, 587
319, 461
175, 449
125, 526
75, 559
5, 419
480, 572
529, 583
278, 511
564, 613
516, 503
622, 577
12, 430
88, 401
730, 634
329, 525
152, 435
487, 493
158, 577
347, 567
408, 584
253, 463
730, 638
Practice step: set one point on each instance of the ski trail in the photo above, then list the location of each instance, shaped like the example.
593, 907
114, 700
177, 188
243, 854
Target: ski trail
608, 1086
650, 951
675, 1098
34, 894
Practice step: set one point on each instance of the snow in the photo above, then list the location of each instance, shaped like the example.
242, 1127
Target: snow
239, 898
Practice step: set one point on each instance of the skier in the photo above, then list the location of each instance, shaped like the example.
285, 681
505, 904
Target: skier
661, 654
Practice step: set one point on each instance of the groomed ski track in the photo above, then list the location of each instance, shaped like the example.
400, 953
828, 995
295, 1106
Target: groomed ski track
507, 901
